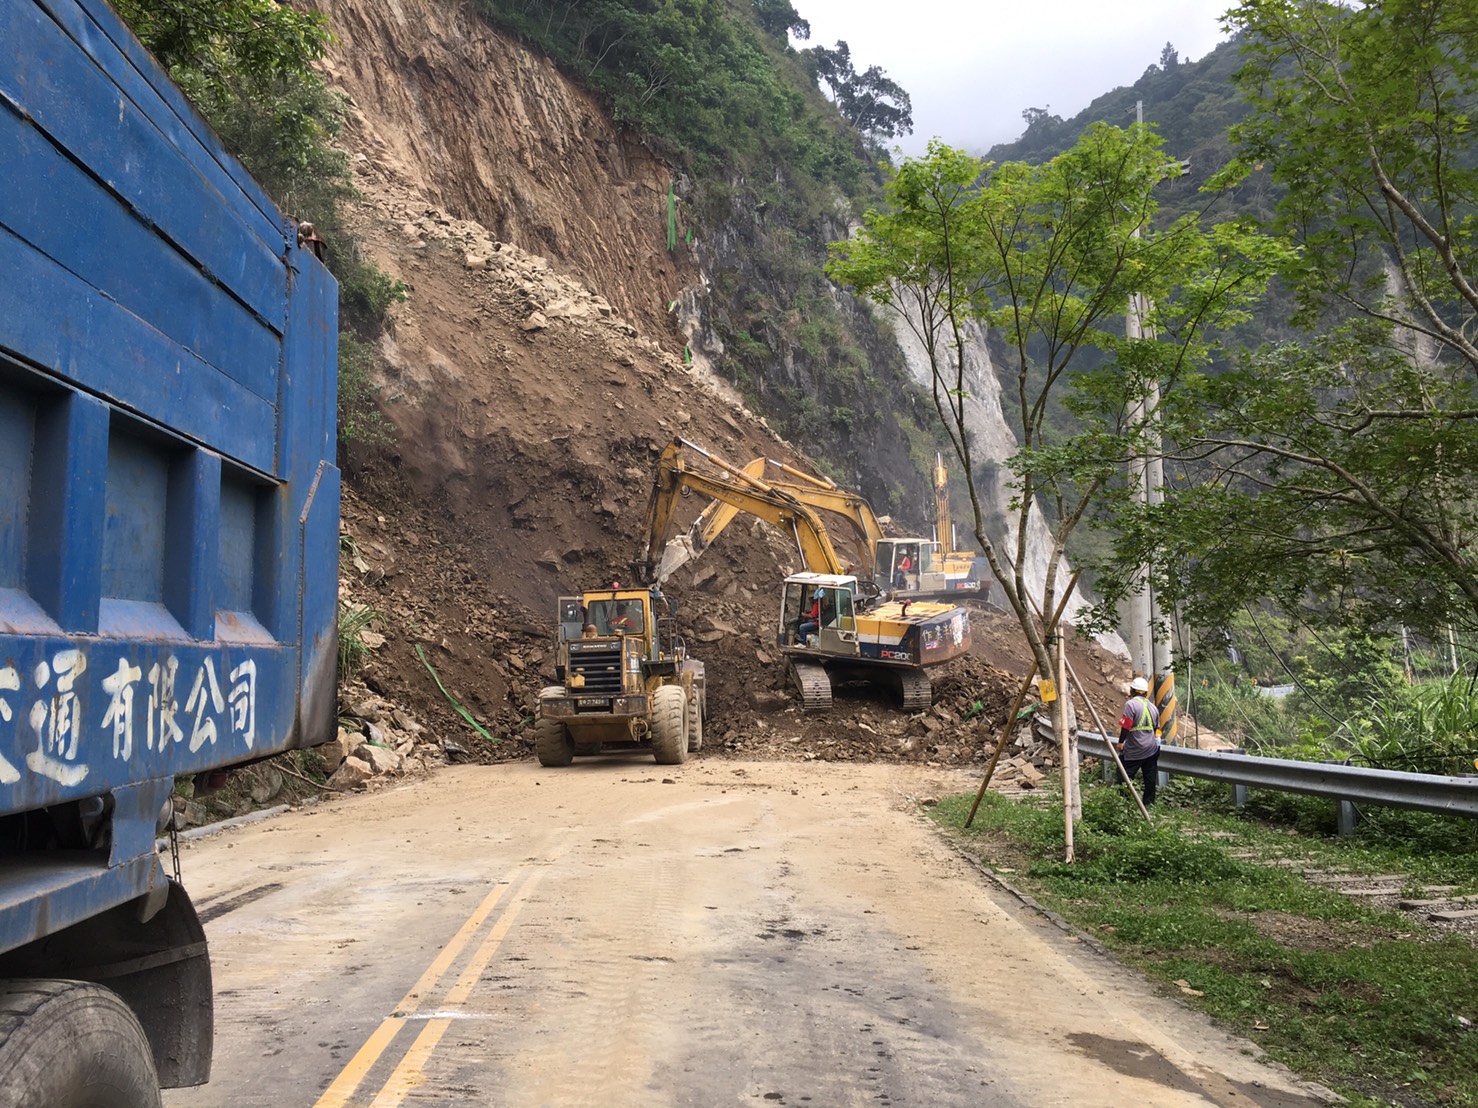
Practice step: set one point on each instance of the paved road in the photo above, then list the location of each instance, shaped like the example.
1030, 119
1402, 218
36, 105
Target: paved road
620, 934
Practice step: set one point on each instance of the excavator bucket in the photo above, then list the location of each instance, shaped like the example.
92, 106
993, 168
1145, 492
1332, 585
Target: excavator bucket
677, 553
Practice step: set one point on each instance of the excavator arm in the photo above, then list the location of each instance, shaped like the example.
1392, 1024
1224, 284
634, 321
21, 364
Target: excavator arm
944, 522
735, 488
817, 492
814, 492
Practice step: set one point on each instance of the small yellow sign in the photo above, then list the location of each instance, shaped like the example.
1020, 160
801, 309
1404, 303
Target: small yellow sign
1048, 690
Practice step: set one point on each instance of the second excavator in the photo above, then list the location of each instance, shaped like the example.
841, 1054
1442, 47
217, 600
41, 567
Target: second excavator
831, 627
908, 568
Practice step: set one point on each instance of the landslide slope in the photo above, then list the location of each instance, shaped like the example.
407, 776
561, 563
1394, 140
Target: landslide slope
531, 376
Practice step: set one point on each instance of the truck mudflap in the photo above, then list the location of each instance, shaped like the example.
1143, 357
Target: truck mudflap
157, 963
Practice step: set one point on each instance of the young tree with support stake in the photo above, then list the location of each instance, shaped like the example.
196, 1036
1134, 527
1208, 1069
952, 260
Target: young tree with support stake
1044, 259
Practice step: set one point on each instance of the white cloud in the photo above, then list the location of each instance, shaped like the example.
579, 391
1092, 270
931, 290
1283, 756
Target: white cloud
972, 68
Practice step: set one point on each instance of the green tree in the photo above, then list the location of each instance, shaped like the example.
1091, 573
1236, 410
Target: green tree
1334, 474
871, 101
1047, 257
780, 19
1365, 115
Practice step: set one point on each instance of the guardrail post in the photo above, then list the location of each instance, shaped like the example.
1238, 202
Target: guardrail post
1240, 794
1110, 774
1346, 817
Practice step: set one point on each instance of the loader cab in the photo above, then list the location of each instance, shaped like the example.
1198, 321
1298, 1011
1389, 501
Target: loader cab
828, 601
619, 615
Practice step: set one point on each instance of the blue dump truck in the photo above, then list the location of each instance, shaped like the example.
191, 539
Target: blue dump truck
169, 513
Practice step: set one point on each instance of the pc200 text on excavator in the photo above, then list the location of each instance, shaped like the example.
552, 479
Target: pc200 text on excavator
830, 626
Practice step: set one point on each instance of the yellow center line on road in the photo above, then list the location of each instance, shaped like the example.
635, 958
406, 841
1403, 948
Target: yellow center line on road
409, 1074
344, 1086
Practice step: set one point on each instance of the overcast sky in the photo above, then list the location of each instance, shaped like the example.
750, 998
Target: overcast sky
972, 67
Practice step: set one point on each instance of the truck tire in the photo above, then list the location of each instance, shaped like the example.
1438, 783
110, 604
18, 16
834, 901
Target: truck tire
695, 722
670, 725
552, 741
72, 1044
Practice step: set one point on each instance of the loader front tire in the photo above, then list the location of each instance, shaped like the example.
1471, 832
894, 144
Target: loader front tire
670, 725
552, 741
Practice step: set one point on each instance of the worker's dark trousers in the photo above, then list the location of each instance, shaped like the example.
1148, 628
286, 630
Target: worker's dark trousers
1151, 767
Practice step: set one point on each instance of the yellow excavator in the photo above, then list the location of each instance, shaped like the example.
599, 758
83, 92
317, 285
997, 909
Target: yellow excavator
907, 568
831, 627
956, 562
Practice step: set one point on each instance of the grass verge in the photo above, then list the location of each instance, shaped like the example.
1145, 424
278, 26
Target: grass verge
1366, 1000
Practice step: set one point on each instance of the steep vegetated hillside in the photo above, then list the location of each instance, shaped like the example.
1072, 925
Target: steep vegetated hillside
766, 173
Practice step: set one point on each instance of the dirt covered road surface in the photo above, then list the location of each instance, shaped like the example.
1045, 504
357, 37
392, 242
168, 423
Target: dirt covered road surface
617, 933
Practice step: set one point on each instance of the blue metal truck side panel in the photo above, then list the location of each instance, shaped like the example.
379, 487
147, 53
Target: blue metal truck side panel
170, 505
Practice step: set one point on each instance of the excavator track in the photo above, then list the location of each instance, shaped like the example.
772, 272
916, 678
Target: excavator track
814, 685
918, 693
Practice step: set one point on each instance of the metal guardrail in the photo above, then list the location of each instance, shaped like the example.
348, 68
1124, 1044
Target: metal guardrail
1453, 796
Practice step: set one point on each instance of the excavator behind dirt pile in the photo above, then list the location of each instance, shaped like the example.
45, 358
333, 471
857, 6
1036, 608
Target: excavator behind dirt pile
831, 626
908, 567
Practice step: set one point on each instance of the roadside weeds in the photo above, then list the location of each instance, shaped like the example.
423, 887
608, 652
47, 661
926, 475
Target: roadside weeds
1368, 1000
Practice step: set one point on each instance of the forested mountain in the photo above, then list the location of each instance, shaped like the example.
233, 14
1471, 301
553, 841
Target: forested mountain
1190, 104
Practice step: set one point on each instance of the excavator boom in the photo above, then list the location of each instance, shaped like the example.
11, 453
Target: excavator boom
736, 489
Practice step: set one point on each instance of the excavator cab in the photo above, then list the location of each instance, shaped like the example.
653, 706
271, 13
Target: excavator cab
828, 602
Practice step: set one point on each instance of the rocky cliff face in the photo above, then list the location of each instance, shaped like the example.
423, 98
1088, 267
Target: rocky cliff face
483, 130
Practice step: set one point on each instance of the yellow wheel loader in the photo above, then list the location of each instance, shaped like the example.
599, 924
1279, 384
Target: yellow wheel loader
627, 682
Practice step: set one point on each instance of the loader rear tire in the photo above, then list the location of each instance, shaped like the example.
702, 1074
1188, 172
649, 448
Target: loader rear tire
72, 1044
670, 725
695, 722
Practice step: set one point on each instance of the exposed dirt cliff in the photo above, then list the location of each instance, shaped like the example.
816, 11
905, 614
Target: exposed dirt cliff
531, 376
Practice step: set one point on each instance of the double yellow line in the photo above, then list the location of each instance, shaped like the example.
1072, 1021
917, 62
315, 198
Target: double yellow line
410, 1072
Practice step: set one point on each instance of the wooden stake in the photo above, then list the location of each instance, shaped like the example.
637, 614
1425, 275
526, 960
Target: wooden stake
1067, 777
1025, 685
1006, 729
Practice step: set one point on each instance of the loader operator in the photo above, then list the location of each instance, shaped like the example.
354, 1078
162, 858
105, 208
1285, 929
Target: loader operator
627, 621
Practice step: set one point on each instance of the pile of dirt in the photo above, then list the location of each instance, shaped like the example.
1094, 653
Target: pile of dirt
447, 640
530, 395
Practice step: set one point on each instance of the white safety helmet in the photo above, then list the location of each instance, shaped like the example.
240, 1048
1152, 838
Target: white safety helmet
1139, 685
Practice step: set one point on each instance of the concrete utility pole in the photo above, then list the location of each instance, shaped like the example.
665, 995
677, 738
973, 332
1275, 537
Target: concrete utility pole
1148, 637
